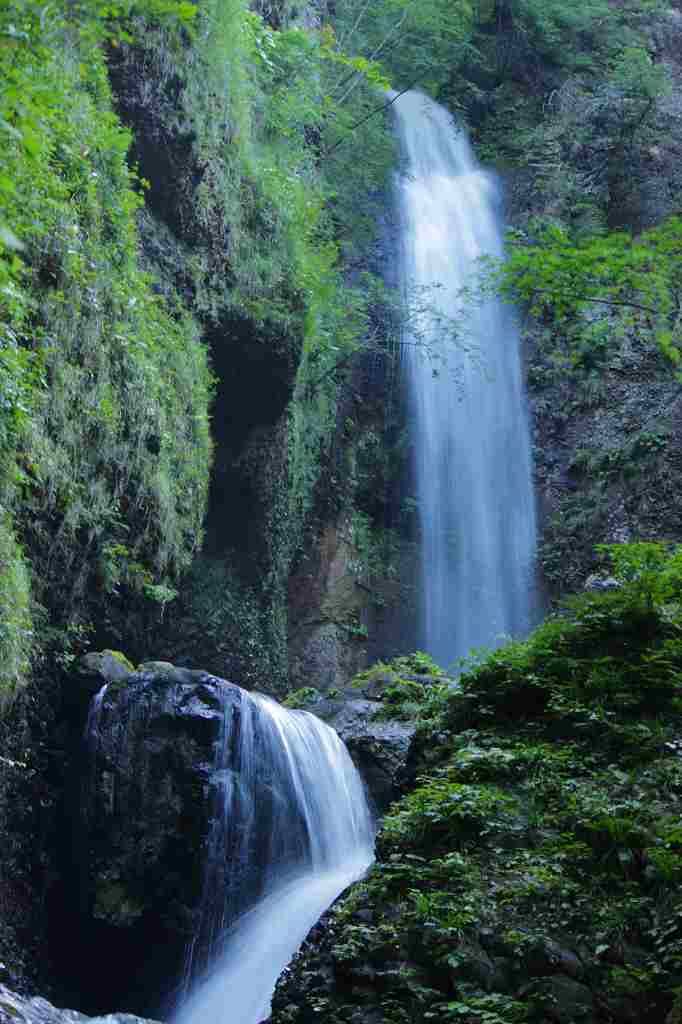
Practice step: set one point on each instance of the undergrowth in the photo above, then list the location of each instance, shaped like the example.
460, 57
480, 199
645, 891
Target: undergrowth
533, 872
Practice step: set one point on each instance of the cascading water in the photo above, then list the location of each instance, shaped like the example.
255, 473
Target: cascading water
292, 830
471, 438
187, 771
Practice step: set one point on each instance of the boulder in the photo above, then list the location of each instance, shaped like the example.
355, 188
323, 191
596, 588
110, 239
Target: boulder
548, 957
148, 794
598, 583
380, 747
16, 1009
150, 801
93, 670
566, 1001
477, 968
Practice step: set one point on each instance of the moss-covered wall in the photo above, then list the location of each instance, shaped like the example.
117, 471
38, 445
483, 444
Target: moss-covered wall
174, 298
106, 388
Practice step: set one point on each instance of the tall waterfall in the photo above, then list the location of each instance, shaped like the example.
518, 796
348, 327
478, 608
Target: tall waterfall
472, 462
292, 830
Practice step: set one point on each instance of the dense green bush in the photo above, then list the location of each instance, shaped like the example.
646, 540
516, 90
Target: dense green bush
637, 280
541, 845
609, 655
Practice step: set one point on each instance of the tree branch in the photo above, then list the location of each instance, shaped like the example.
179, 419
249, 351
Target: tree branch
604, 302
367, 117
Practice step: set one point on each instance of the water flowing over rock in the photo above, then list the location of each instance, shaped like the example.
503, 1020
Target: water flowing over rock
472, 451
381, 747
17, 1009
219, 828
304, 812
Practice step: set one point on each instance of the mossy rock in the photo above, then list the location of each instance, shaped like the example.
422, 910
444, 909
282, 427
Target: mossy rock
115, 905
565, 1001
303, 698
95, 669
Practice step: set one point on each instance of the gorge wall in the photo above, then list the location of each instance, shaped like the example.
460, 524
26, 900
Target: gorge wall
605, 411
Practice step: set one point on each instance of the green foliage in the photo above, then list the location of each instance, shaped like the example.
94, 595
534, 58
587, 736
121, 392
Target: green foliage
104, 417
411, 686
543, 838
652, 569
613, 654
419, 663
229, 626
17, 641
301, 699
417, 42
531, 31
573, 96
636, 279
490, 1009
444, 815
260, 222
273, 203
408, 678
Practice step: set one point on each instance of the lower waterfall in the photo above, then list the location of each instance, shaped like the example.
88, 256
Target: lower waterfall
292, 830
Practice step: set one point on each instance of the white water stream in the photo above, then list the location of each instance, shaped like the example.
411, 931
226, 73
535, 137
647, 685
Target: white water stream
470, 431
294, 829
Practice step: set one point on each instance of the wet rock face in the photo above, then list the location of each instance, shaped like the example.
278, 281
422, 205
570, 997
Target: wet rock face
148, 801
16, 1009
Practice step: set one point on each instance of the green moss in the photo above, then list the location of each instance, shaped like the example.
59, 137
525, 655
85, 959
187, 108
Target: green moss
302, 698
253, 225
17, 640
121, 658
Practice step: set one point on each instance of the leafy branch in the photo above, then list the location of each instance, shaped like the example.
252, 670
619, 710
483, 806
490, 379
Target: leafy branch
557, 277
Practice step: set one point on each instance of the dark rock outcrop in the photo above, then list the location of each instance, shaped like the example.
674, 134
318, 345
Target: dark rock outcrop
380, 747
148, 810
99, 667
141, 817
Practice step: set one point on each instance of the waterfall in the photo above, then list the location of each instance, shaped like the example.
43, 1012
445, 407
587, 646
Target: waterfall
292, 830
470, 432
91, 742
